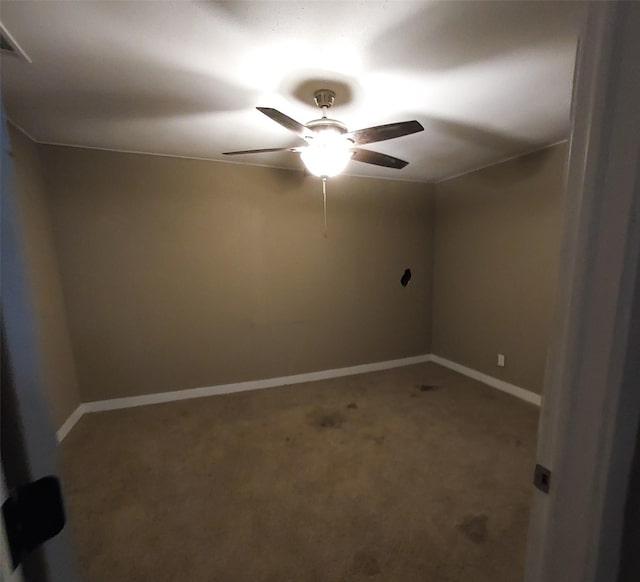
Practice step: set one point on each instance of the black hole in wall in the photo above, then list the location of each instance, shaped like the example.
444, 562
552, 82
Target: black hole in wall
5, 45
406, 277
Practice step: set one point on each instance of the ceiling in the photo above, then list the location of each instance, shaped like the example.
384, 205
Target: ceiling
487, 80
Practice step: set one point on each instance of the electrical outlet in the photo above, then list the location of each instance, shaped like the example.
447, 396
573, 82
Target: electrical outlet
501, 360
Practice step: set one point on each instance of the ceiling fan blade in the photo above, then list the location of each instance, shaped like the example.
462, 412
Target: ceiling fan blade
378, 159
286, 121
262, 151
384, 132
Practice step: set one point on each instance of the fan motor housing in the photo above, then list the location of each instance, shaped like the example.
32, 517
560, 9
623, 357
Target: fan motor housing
327, 123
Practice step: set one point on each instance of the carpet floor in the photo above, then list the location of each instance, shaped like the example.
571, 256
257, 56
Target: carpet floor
411, 474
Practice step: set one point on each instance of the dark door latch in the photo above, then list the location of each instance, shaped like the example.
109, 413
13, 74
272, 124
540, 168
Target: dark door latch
542, 478
33, 515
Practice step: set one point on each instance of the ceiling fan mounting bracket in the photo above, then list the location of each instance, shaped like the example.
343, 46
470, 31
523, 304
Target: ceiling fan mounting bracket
324, 98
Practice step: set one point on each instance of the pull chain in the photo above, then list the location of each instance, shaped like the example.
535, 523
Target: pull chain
324, 200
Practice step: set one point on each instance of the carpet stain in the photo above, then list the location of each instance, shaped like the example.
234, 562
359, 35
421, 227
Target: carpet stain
331, 421
352, 405
474, 527
364, 564
322, 419
427, 387
368, 512
379, 440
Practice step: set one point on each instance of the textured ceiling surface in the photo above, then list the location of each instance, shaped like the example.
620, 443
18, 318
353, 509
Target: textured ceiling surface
487, 80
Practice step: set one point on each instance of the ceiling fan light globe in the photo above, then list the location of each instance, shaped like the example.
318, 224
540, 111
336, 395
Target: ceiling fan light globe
327, 155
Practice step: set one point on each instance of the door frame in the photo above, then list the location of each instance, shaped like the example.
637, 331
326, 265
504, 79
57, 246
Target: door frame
28, 444
591, 403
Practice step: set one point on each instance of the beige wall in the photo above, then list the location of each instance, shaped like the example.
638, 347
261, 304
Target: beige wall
184, 273
52, 332
497, 246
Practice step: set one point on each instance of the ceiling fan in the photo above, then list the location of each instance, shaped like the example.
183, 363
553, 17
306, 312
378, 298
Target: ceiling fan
330, 145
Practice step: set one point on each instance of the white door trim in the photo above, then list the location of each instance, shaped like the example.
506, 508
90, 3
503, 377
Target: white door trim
590, 414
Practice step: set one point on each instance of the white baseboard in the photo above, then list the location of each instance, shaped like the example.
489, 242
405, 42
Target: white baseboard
512, 389
131, 401
115, 403
74, 417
